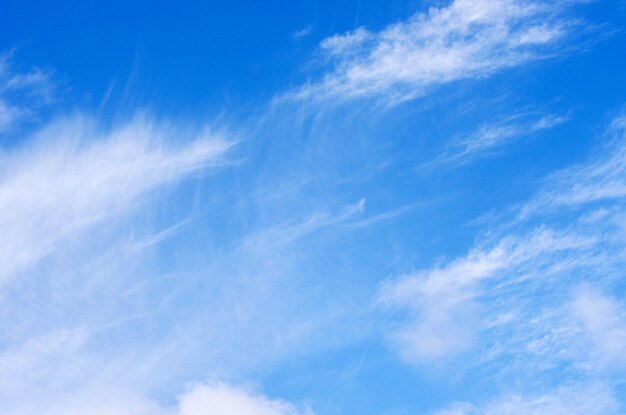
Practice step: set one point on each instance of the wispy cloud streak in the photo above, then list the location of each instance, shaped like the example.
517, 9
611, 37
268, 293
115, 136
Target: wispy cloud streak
22, 94
461, 40
496, 136
73, 176
593, 399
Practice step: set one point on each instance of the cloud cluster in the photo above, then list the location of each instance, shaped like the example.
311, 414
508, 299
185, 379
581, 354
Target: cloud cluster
442, 300
66, 180
536, 295
72, 181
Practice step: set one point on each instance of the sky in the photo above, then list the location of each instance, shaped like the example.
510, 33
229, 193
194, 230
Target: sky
365, 207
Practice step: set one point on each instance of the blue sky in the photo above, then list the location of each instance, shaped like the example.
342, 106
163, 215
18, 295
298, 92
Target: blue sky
313, 208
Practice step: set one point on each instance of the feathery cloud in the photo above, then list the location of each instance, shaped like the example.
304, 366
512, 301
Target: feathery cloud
22, 94
603, 179
72, 176
463, 39
494, 136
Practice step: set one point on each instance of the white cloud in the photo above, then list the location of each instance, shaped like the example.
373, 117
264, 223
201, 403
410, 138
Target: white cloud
603, 322
441, 302
302, 33
494, 136
72, 176
577, 400
457, 408
463, 39
602, 179
222, 399
204, 399
22, 94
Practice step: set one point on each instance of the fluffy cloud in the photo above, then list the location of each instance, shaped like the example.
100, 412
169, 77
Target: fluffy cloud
603, 321
209, 399
222, 399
